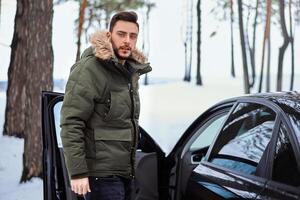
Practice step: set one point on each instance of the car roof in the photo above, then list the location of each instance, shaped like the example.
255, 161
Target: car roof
287, 101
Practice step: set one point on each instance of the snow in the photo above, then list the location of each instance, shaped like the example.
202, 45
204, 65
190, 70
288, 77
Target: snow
167, 110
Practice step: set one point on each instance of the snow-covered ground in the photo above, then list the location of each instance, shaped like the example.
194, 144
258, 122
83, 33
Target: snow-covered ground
167, 110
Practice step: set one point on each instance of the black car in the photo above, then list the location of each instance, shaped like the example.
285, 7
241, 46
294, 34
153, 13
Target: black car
242, 148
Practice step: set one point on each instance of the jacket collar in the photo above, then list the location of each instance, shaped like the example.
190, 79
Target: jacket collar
102, 49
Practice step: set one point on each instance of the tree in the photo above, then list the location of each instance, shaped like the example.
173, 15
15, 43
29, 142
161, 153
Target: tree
292, 46
188, 42
82, 9
30, 72
251, 49
265, 39
243, 46
231, 38
198, 77
286, 40
146, 42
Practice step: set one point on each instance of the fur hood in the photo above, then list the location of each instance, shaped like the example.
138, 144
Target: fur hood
102, 48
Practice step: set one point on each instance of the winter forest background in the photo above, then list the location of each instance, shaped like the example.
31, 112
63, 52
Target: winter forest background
201, 52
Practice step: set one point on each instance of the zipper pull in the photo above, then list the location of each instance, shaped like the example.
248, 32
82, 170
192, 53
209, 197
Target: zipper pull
129, 86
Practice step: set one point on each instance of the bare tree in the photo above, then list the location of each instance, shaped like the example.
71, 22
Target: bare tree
189, 43
146, 39
268, 72
292, 46
286, 40
82, 8
265, 40
251, 49
198, 73
243, 46
231, 38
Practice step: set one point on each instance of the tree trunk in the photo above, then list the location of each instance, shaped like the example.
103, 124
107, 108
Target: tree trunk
268, 74
248, 47
185, 62
0, 10
199, 79
16, 89
30, 72
282, 49
265, 39
82, 8
252, 49
190, 43
231, 39
244, 55
292, 47
147, 39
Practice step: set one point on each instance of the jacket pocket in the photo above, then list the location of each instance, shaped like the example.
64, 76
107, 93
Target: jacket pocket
113, 148
118, 106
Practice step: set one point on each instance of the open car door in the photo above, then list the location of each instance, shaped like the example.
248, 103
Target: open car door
150, 181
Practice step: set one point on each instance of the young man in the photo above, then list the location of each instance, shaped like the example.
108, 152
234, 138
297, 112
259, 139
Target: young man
99, 116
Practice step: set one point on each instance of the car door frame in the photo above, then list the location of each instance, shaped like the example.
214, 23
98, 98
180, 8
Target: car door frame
51, 188
55, 185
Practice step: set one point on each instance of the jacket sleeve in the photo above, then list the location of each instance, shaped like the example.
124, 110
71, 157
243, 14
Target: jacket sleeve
77, 107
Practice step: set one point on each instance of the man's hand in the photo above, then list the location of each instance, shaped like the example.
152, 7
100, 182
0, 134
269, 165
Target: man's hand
80, 186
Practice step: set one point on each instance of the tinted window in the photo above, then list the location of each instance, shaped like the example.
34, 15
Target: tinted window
295, 121
244, 138
285, 167
206, 133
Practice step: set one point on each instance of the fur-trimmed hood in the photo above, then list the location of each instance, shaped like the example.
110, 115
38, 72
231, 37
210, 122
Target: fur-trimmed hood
102, 48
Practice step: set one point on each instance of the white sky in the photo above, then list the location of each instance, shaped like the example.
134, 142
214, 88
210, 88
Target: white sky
166, 46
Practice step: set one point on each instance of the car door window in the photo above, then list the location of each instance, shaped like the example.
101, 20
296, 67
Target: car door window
285, 168
206, 134
244, 138
56, 112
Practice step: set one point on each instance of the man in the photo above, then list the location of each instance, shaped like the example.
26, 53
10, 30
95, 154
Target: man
99, 116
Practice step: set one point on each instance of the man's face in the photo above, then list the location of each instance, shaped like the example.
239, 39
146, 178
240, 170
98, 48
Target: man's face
123, 38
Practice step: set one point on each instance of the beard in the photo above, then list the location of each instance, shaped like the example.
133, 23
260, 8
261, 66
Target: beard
116, 51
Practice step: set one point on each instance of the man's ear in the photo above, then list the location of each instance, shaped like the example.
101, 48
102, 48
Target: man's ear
108, 34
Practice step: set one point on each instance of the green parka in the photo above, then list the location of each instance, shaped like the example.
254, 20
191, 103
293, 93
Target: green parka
99, 116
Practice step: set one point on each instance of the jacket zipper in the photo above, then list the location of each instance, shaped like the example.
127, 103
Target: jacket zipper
134, 127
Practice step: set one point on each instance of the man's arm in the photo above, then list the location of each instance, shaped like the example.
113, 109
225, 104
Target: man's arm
77, 108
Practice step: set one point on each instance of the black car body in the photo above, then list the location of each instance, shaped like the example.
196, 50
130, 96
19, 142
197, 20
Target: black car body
242, 148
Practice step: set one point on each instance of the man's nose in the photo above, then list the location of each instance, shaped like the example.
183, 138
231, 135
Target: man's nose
127, 39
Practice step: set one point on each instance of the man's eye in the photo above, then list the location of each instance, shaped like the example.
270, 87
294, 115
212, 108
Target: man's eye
133, 36
121, 34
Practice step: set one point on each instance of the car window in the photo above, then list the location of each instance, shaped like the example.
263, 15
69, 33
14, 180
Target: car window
285, 169
205, 134
295, 121
56, 113
244, 138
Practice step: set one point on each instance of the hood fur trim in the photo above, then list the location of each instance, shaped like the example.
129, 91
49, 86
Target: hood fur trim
102, 48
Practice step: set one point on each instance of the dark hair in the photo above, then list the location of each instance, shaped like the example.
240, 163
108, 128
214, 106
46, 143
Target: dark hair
128, 16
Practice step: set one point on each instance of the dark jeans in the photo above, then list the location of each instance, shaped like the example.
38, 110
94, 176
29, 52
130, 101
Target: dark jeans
109, 188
